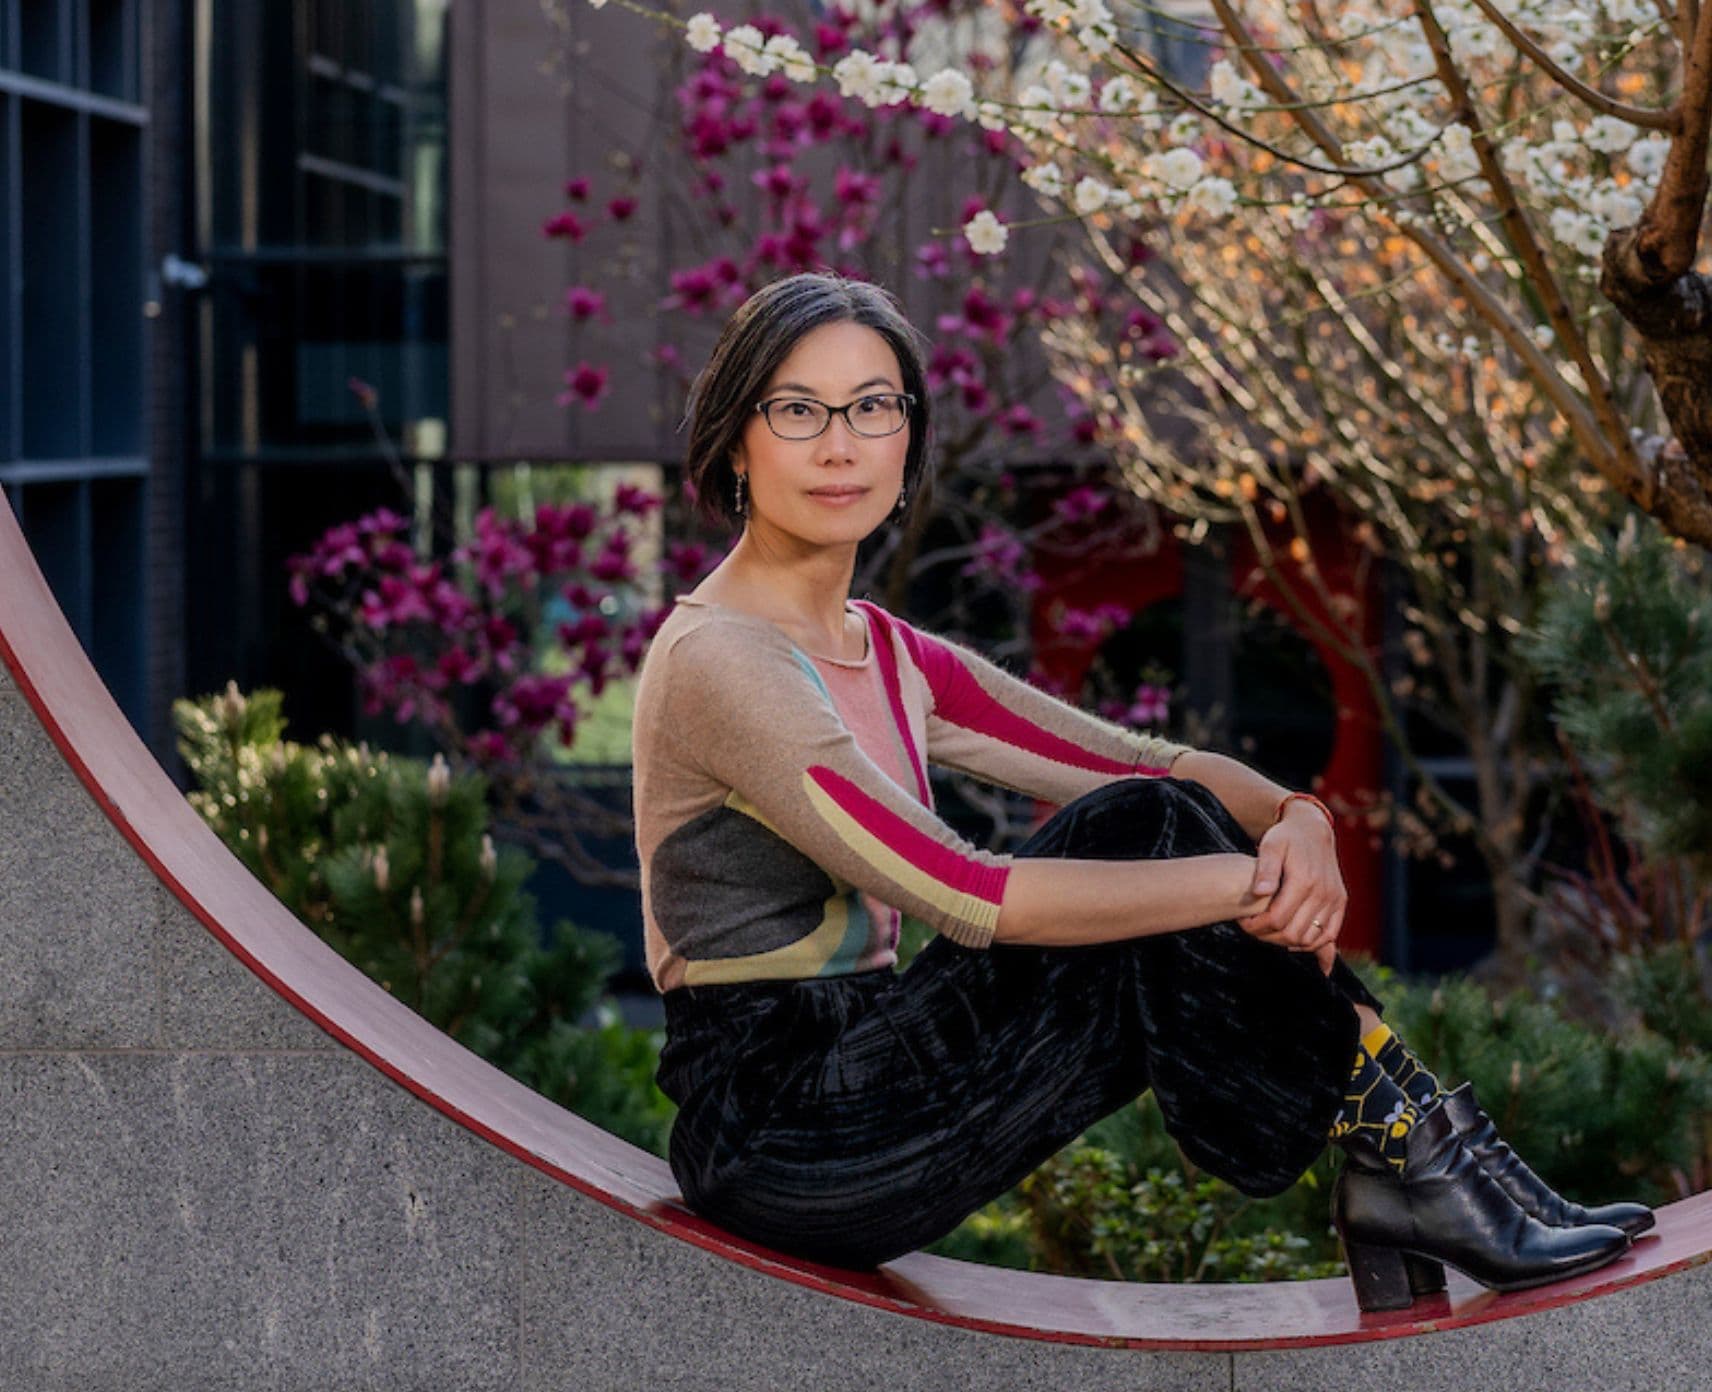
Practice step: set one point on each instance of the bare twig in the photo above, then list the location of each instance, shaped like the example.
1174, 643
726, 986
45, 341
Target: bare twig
1649, 118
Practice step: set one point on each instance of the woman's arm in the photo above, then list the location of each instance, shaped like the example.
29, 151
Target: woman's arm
984, 721
1249, 795
1050, 902
1295, 866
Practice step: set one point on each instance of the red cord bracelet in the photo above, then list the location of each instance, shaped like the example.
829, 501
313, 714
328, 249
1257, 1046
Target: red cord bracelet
1304, 797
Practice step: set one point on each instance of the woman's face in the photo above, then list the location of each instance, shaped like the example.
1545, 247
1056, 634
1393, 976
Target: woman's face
838, 487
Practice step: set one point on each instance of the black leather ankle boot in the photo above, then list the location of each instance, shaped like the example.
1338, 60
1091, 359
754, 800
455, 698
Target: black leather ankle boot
1399, 1230
1522, 1184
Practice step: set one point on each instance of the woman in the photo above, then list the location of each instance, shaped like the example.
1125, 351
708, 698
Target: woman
1173, 926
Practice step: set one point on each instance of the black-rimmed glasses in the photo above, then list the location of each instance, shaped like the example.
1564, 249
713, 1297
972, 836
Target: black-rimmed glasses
803, 418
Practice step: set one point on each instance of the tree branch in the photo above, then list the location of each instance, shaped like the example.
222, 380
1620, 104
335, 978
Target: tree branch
1647, 117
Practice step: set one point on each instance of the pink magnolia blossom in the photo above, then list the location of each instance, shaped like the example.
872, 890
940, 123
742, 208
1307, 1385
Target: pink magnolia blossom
1081, 504
1150, 706
1090, 625
583, 303
638, 502
586, 383
1002, 556
687, 562
932, 261
855, 190
564, 225
780, 181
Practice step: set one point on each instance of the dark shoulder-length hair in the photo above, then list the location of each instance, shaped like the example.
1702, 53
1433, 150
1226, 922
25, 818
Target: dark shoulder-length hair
760, 336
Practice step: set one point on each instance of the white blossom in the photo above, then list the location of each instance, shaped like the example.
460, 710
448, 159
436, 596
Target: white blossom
1408, 127
1609, 135
1230, 88
1369, 153
1215, 197
1581, 232
1471, 42
1118, 96
745, 47
1457, 159
1045, 179
992, 116
1125, 204
702, 32
791, 58
1091, 195
1180, 168
985, 234
1616, 206
1068, 89
1097, 38
857, 74
895, 83
1646, 157
1403, 178
1036, 102
948, 92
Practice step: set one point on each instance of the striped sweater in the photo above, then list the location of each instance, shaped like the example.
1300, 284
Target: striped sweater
782, 805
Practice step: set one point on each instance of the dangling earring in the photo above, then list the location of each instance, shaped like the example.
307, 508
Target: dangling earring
738, 504
903, 502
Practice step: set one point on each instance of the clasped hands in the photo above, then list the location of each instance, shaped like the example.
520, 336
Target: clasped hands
1296, 874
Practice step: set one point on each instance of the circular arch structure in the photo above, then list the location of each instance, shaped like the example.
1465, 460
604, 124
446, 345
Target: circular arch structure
219, 1172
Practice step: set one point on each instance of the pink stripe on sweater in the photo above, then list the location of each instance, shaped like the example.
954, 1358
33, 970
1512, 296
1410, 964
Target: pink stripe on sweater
961, 700
880, 631
930, 857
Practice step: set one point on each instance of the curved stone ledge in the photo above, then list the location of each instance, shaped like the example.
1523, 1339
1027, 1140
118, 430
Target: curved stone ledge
218, 1173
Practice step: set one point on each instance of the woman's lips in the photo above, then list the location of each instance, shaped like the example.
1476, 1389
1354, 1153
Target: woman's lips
837, 496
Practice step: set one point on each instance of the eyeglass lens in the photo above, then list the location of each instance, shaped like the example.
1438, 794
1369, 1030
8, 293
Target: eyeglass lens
794, 419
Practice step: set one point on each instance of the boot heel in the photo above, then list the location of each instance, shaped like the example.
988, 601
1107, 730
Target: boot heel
1426, 1276
1380, 1276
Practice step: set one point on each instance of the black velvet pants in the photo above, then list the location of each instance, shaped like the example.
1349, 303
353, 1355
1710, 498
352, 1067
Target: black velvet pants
851, 1119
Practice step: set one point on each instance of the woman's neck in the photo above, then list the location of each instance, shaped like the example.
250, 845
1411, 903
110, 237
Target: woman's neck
804, 593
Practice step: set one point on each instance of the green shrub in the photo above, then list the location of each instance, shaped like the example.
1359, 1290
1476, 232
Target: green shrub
392, 862
1626, 641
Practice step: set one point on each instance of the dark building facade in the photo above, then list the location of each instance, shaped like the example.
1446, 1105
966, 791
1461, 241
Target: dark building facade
75, 126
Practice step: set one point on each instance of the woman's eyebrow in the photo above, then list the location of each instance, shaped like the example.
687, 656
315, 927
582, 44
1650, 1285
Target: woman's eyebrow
807, 391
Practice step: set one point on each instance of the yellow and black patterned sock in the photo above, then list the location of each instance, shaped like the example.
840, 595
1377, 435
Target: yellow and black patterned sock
1402, 1067
1374, 1106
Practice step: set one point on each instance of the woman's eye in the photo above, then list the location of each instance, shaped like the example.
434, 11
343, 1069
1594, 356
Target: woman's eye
869, 405
798, 408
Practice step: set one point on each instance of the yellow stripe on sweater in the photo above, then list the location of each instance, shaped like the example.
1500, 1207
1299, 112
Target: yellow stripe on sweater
965, 908
806, 957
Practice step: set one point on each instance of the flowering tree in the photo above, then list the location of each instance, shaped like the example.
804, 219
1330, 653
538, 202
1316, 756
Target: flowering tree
1521, 159
1396, 241
496, 647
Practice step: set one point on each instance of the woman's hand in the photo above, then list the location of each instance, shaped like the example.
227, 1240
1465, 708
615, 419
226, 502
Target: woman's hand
1296, 864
